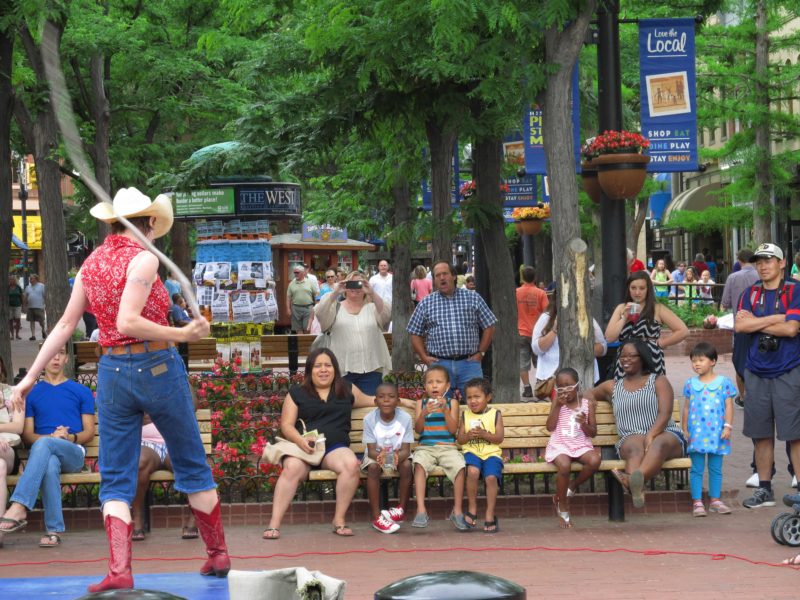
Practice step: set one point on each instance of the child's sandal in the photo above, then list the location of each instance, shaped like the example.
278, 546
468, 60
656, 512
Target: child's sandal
470, 519
491, 526
562, 515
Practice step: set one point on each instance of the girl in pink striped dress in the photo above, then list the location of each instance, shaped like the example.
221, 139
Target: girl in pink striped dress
572, 426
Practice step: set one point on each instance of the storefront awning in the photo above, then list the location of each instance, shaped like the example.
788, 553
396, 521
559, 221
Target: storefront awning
698, 199
34, 237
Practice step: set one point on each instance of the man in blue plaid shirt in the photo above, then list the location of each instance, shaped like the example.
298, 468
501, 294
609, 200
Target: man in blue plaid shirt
452, 327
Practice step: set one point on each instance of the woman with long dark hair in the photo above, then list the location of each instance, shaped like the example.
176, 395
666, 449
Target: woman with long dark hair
642, 401
324, 402
641, 317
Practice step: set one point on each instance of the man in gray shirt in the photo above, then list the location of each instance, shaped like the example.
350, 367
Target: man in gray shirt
33, 305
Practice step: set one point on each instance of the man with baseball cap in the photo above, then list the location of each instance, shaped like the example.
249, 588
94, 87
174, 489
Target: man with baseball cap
769, 310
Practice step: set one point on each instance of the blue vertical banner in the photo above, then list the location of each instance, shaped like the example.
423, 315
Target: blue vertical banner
668, 99
533, 133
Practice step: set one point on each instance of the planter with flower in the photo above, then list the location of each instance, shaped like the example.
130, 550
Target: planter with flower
529, 219
589, 174
620, 161
476, 214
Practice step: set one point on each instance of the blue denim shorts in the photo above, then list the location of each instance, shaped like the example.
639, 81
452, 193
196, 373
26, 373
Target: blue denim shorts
490, 467
156, 383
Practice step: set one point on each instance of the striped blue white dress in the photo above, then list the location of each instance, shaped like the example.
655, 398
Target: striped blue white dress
635, 412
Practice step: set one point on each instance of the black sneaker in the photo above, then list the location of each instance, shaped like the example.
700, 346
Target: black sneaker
738, 401
761, 497
527, 392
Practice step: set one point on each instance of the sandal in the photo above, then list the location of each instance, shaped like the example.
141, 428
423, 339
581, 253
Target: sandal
622, 478
563, 515
636, 483
794, 561
53, 540
491, 526
17, 524
470, 519
342, 530
270, 533
190, 533
138, 535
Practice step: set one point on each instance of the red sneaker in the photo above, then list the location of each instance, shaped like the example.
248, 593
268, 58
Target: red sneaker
396, 514
385, 525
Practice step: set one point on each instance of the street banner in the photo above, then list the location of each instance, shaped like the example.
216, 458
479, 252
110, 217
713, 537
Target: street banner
533, 133
667, 77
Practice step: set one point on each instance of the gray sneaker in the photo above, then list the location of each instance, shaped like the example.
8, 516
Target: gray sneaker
459, 522
761, 497
421, 520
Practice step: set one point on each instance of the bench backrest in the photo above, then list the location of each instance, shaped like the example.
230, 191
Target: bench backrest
201, 350
93, 447
524, 425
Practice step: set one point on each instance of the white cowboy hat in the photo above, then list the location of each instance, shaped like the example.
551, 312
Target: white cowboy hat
130, 203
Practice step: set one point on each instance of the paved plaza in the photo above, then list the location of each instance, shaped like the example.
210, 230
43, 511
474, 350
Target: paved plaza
647, 556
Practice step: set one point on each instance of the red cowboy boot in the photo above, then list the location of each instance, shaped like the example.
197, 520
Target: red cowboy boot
119, 575
210, 526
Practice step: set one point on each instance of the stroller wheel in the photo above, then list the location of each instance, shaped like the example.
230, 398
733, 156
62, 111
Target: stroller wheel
790, 530
777, 526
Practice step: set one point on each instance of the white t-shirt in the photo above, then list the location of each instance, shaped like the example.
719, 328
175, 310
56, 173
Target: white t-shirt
547, 365
400, 429
382, 286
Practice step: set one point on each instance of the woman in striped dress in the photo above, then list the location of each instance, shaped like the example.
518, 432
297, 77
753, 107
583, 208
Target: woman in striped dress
641, 317
642, 401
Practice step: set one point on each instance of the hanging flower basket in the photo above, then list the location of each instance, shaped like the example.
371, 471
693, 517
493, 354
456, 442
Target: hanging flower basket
621, 175
620, 163
590, 184
529, 226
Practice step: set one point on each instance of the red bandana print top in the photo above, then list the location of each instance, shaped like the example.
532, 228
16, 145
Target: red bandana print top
104, 275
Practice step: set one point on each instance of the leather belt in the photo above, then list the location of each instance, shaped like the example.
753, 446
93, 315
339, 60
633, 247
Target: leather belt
461, 357
137, 348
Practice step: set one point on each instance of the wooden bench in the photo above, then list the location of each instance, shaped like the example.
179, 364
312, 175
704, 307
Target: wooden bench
90, 475
288, 351
198, 356
526, 433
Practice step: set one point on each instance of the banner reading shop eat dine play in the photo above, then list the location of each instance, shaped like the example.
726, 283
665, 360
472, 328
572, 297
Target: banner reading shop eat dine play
669, 110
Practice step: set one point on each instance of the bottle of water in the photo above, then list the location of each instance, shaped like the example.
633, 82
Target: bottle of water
388, 453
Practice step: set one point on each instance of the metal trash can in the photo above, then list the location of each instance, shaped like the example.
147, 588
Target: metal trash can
131, 595
463, 585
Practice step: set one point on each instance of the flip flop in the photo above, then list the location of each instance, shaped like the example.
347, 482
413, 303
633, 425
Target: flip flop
495, 524
794, 561
563, 515
270, 533
637, 488
191, 533
622, 478
138, 535
342, 530
470, 519
17, 524
53, 540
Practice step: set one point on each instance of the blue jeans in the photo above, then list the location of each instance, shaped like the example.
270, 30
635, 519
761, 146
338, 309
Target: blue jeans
155, 383
714, 474
49, 458
366, 382
461, 371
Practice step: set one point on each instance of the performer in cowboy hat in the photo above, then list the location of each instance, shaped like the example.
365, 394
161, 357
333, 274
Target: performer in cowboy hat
139, 372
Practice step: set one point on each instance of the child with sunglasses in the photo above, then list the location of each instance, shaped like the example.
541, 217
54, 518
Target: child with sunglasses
572, 426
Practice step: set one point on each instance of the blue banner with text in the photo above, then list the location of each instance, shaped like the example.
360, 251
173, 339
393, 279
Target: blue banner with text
669, 109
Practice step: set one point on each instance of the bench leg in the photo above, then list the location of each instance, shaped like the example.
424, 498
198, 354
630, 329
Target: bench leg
616, 499
384, 497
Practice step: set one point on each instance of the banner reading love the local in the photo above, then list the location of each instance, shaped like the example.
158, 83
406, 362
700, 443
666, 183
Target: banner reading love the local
533, 133
669, 109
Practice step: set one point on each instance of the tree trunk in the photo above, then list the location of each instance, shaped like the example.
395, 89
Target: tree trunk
6, 193
762, 205
40, 132
402, 305
179, 238
488, 160
440, 144
575, 330
639, 216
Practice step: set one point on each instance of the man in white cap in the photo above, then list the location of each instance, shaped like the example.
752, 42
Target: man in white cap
769, 310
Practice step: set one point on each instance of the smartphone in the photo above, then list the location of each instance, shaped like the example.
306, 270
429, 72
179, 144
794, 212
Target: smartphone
353, 284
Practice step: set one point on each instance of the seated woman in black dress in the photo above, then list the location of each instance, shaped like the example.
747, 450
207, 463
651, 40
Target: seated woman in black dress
324, 402
642, 401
